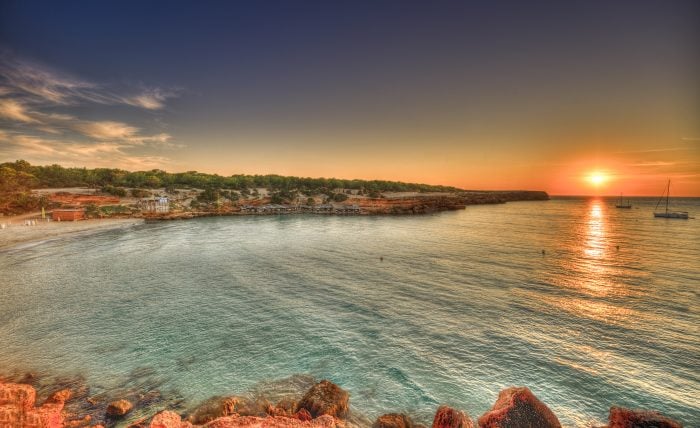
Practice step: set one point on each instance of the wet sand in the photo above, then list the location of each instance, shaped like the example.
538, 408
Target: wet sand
16, 232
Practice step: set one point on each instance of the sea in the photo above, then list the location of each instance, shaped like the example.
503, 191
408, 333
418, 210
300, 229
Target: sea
587, 305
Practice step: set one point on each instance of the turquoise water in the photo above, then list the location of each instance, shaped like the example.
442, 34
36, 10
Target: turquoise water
463, 305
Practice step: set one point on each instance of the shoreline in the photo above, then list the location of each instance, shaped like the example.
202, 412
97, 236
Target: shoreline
71, 402
16, 233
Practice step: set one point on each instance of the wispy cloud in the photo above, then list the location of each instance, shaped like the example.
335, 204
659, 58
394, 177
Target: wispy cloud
101, 154
40, 84
40, 118
152, 99
15, 110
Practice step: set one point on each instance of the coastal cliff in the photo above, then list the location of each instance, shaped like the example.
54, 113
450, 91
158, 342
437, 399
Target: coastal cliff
324, 405
396, 203
435, 202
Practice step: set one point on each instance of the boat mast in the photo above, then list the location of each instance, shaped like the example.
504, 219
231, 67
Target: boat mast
668, 193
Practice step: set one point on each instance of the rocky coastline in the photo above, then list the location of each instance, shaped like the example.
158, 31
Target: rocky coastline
389, 204
323, 405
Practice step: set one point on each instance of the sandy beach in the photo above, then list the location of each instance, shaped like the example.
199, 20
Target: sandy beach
16, 232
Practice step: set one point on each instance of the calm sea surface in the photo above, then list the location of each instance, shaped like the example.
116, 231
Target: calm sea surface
463, 305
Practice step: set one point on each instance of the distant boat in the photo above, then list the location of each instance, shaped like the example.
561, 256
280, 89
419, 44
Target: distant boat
621, 204
667, 213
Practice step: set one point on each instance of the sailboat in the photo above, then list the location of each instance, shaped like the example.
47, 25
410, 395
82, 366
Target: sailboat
621, 204
667, 213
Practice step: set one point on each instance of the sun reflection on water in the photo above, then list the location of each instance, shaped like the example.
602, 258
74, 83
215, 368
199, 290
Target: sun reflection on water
596, 231
592, 278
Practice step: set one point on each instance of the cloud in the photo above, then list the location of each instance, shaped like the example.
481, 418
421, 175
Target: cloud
38, 84
41, 113
101, 154
106, 130
15, 110
151, 99
118, 131
654, 163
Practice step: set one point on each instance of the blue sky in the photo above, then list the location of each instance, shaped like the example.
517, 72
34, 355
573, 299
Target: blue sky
473, 94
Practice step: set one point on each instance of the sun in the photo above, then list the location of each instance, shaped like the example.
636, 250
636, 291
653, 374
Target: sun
597, 178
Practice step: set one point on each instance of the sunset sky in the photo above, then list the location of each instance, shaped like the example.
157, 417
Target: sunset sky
589, 97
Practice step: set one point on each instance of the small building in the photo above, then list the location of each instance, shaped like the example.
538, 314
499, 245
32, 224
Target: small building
68, 214
155, 205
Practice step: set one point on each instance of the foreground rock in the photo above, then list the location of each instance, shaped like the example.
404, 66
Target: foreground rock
518, 408
627, 418
393, 420
325, 398
119, 408
168, 419
447, 417
17, 408
215, 407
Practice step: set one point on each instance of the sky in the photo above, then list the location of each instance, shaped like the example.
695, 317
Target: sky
571, 97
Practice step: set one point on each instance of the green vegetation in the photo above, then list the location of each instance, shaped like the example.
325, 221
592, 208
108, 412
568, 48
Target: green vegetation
340, 197
53, 176
92, 211
110, 210
18, 178
140, 193
116, 191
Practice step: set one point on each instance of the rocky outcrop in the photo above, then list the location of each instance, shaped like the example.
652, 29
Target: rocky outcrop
218, 407
393, 420
518, 408
628, 418
119, 408
325, 398
168, 419
324, 405
60, 396
17, 408
435, 202
215, 407
447, 417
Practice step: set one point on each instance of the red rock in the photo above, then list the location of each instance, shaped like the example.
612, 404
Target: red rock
166, 419
19, 395
393, 420
119, 408
271, 422
85, 421
303, 415
47, 416
60, 396
518, 408
627, 418
284, 407
17, 408
447, 417
325, 398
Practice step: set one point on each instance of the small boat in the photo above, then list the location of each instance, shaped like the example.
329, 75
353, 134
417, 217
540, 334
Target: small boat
667, 213
621, 204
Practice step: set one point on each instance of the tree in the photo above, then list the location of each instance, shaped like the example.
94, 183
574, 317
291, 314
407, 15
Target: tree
340, 197
91, 211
